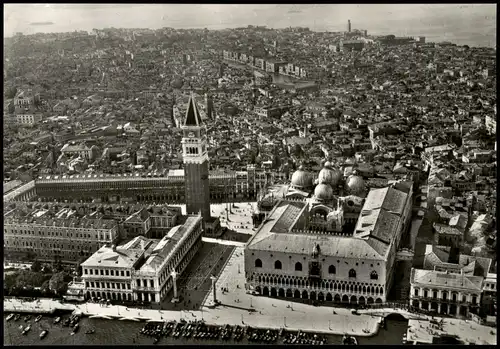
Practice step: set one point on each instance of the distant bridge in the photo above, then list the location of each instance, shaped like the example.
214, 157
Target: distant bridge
405, 254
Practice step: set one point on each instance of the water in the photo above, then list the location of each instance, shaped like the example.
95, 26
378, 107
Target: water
115, 332
463, 24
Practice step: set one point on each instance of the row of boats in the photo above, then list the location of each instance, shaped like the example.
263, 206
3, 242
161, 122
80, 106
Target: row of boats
72, 322
198, 329
25, 330
17, 317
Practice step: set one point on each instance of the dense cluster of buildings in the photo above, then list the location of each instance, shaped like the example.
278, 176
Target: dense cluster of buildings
362, 135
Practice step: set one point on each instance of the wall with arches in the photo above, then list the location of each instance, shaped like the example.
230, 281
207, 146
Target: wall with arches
322, 290
363, 268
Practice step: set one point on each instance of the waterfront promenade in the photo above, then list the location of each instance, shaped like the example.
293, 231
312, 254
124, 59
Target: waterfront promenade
319, 322
468, 331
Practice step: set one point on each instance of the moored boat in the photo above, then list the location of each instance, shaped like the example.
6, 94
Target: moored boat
349, 340
91, 331
27, 329
57, 319
17, 317
9, 317
38, 318
43, 334
27, 318
75, 329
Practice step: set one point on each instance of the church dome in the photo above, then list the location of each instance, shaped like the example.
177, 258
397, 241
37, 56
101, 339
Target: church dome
355, 184
301, 179
323, 192
329, 175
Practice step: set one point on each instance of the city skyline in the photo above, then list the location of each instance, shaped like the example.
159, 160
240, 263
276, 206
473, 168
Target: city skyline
438, 22
332, 181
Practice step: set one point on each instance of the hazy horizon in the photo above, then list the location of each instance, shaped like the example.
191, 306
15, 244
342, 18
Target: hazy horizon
471, 24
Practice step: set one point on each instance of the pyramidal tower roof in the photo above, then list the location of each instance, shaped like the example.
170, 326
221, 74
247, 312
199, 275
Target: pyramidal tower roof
192, 114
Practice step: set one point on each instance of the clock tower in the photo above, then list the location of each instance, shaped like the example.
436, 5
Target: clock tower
195, 156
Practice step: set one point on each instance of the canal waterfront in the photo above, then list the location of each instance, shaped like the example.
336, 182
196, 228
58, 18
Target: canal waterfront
116, 332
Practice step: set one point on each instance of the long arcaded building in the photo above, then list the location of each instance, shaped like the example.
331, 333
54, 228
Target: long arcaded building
224, 186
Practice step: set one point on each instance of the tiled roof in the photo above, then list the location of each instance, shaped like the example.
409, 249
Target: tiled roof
446, 229
275, 235
329, 245
431, 278
482, 266
379, 218
106, 257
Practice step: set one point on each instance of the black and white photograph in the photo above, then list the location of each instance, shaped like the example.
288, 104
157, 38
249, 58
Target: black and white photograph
249, 174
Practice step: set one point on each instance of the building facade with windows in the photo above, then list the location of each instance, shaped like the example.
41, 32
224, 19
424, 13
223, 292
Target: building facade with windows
50, 236
454, 289
223, 186
445, 292
141, 269
286, 259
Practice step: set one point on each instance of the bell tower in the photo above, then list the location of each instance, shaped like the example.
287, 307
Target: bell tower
195, 158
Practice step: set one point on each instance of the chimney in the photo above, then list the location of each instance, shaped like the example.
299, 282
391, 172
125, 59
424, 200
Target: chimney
348, 25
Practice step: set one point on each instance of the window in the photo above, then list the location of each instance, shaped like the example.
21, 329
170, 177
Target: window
374, 275
445, 295
128, 286
91, 271
128, 273
426, 293
298, 266
454, 297
434, 294
331, 269
107, 272
152, 283
122, 273
416, 292
112, 273
258, 263
352, 273
277, 265
91, 284
464, 298
86, 284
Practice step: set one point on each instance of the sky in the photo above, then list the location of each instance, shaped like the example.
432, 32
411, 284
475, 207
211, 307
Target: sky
460, 23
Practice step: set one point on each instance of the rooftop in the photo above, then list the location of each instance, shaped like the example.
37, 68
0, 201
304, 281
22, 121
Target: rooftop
432, 278
275, 234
